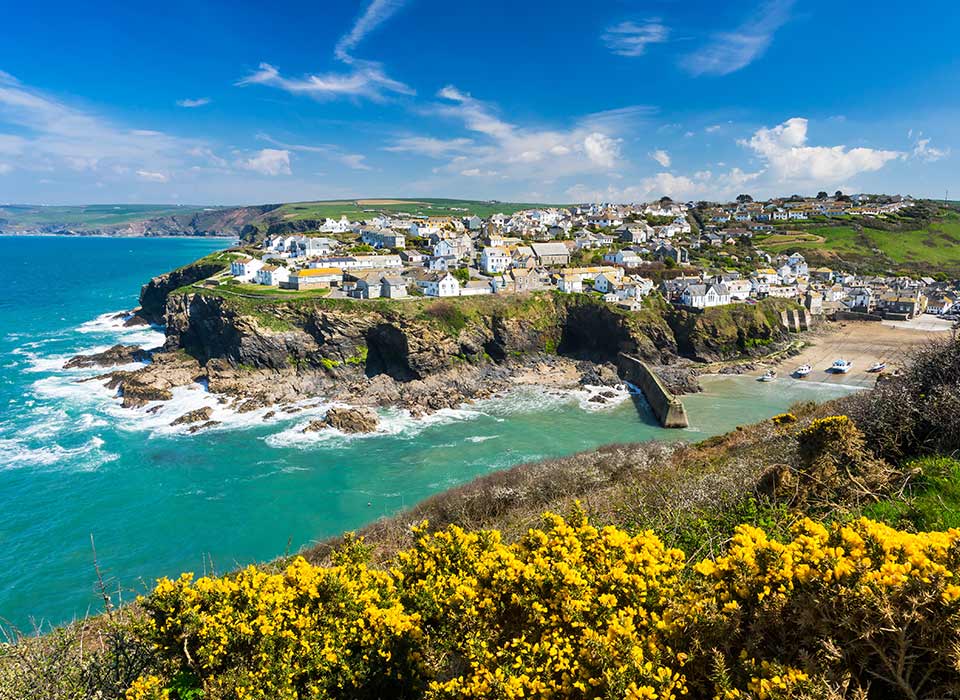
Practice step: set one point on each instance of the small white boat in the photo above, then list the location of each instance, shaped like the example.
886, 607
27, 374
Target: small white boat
842, 366
878, 367
769, 375
802, 371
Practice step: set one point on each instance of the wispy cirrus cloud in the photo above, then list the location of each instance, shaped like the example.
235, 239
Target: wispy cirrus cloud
632, 39
593, 144
377, 12
49, 135
364, 79
728, 52
429, 146
922, 150
355, 161
189, 104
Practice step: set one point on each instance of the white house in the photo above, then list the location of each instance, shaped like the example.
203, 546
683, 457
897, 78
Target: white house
740, 290
439, 284
245, 268
493, 261
702, 296
570, 284
606, 282
625, 257
272, 275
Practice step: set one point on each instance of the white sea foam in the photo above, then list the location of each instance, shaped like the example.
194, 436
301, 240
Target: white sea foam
16, 454
112, 324
481, 438
393, 422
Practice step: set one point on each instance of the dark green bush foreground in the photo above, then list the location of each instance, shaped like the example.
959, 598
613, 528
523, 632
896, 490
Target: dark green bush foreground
818, 631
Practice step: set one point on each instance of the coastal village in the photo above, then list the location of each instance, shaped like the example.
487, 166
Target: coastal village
694, 255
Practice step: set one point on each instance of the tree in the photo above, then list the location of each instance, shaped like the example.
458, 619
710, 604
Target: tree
665, 200
462, 274
822, 195
744, 198
838, 194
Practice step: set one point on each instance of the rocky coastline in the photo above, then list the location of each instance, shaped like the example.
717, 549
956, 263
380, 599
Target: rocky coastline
421, 356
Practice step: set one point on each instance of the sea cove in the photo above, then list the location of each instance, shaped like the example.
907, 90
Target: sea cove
158, 500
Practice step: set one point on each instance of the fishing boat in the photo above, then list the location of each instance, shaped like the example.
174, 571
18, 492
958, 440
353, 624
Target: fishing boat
842, 366
769, 375
878, 367
802, 371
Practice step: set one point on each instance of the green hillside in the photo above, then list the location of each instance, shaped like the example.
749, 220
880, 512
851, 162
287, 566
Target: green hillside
92, 216
923, 241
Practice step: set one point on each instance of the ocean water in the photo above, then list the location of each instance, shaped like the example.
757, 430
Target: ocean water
159, 501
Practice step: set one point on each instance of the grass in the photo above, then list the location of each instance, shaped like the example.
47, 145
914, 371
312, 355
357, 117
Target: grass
896, 244
92, 215
357, 209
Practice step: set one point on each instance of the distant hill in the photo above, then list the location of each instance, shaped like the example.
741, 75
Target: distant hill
249, 222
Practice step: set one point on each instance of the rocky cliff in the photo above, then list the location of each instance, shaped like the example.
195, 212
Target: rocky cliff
153, 295
414, 339
421, 354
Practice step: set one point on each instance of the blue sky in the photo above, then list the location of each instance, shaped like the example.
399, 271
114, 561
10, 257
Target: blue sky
230, 103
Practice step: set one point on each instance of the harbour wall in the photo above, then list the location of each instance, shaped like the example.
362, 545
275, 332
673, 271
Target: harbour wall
666, 407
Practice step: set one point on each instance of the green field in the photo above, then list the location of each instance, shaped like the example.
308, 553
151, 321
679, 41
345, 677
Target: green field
933, 248
358, 209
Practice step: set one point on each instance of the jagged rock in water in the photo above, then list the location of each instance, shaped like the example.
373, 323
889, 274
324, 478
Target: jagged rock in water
351, 420
203, 426
201, 414
112, 357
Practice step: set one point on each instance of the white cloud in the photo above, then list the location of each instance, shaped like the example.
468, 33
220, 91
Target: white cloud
790, 159
591, 145
477, 172
713, 128
662, 157
728, 52
50, 135
268, 161
355, 161
429, 146
600, 149
922, 150
632, 39
377, 12
5, 168
701, 185
199, 102
363, 79
152, 176
367, 79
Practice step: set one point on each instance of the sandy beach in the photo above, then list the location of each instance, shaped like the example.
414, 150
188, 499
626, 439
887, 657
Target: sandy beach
863, 344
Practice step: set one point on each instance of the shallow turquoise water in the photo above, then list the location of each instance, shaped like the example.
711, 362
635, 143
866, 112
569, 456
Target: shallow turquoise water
72, 463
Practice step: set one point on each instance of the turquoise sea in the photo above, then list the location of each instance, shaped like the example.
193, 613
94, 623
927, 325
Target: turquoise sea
158, 501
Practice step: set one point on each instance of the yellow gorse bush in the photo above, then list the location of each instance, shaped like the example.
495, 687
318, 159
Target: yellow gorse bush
569, 611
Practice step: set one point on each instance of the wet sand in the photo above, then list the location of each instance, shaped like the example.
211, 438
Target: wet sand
863, 344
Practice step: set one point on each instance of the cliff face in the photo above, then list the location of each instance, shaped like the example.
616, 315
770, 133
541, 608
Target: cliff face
415, 340
409, 342
726, 332
153, 295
